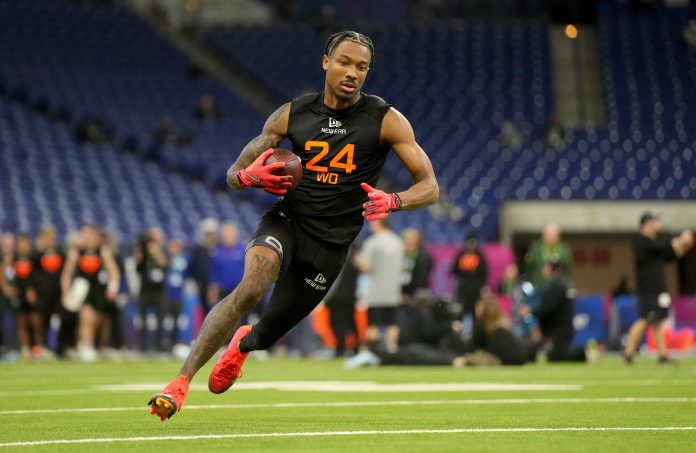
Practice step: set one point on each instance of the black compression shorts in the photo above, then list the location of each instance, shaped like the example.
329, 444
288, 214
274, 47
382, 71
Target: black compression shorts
308, 269
650, 309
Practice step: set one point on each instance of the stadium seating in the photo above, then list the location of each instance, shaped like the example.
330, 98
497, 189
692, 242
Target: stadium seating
55, 180
88, 62
457, 82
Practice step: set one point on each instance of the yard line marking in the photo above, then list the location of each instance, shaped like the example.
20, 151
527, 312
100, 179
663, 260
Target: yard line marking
367, 404
341, 433
342, 387
58, 392
357, 386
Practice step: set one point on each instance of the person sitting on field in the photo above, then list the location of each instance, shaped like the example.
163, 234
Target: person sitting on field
555, 316
492, 334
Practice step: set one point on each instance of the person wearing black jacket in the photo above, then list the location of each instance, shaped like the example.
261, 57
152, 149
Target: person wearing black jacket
417, 263
555, 315
650, 254
471, 270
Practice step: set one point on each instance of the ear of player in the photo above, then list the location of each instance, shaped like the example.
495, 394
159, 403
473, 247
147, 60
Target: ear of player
260, 175
380, 204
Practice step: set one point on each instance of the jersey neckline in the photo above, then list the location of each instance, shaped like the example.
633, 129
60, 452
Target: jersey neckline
323, 108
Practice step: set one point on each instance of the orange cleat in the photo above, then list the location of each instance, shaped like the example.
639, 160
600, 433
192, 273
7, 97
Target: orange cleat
170, 400
229, 367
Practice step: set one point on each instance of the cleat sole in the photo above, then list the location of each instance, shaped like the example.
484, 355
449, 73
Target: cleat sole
162, 406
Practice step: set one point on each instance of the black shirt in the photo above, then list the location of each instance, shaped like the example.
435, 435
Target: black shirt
48, 264
650, 255
339, 150
555, 314
23, 275
419, 266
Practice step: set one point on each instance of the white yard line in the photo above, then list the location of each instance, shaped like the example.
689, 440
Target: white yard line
341, 433
358, 387
628, 400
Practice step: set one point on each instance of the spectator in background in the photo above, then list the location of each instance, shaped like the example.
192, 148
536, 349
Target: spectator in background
151, 260
96, 131
31, 329
89, 283
510, 135
471, 271
510, 286
48, 264
550, 248
511, 278
429, 335
112, 327
649, 255
341, 303
492, 334
201, 257
166, 133
227, 263
174, 288
417, 263
555, 315
206, 108
6, 292
382, 258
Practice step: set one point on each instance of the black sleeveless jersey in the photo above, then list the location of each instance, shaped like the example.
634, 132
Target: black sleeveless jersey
339, 150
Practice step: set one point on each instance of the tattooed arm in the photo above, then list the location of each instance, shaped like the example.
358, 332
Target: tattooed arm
274, 131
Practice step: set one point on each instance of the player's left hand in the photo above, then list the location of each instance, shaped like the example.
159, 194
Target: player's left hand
380, 204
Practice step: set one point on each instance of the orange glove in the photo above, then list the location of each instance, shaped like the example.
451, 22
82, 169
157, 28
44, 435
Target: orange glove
260, 175
380, 204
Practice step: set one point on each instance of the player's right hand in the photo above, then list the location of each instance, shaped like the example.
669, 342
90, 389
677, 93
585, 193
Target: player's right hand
260, 175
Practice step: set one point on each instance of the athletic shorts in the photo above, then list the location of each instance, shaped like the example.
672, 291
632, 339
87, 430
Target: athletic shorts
25, 307
381, 316
650, 309
308, 267
96, 297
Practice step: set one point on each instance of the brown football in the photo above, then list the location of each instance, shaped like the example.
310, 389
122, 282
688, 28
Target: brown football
293, 164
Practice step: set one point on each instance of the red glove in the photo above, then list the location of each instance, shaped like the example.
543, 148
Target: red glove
380, 204
259, 175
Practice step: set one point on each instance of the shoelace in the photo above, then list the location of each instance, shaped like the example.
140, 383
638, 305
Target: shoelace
231, 372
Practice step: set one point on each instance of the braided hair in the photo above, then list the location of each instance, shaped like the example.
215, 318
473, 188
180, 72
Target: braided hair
349, 35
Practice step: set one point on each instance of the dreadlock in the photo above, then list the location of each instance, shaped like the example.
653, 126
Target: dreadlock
349, 35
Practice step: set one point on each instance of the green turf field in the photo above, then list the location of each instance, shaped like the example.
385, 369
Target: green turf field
283, 405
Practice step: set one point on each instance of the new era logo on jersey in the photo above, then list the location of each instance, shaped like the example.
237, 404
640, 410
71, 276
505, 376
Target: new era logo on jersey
333, 128
319, 282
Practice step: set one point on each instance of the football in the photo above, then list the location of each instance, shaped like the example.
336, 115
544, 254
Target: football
293, 164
